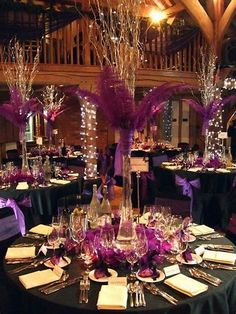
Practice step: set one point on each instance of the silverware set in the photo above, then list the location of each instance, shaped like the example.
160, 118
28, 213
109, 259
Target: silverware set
34, 264
63, 278
61, 285
209, 265
197, 273
210, 236
156, 291
19, 260
220, 247
84, 290
136, 294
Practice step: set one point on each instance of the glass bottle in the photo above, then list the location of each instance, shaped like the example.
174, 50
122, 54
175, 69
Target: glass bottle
105, 205
94, 208
47, 170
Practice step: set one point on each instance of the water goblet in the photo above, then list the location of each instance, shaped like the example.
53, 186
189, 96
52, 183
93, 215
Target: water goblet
52, 238
132, 258
87, 253
77, 227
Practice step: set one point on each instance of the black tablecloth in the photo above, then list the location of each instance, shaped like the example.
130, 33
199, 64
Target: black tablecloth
212, 203
216, 300
43, 199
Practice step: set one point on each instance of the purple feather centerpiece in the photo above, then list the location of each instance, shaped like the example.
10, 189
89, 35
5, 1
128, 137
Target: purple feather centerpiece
118, 105
18, 111
208, 112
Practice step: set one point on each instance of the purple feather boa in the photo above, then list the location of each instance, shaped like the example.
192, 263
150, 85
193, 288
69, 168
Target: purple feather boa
18, 112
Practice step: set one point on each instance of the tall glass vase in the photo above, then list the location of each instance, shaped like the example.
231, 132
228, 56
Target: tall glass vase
126, 231
25, 166
206, 151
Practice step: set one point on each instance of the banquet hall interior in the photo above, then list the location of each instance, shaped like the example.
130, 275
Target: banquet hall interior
120, 115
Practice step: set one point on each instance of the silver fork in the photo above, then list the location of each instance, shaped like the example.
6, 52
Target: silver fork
86, 290
34, 264
154, 290
82, 290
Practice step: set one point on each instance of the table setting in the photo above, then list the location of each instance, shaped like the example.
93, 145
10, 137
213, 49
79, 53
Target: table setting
87, 261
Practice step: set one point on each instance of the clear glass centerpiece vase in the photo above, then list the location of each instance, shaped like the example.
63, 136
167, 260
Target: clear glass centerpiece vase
126, 230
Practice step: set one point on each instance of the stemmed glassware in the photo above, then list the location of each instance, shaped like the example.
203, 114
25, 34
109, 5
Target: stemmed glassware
78, 227
87, 253
132, 257
52, 238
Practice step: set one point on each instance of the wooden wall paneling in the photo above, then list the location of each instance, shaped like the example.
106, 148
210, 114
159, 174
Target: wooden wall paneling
175, 123
184, 122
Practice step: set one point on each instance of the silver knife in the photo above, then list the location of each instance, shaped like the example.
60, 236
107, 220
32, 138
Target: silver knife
220, 247
34, 264
62, 285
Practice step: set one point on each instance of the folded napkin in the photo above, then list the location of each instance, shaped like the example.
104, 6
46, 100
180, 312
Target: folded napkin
172, 167
200, 229
59, 181
38, 278
186, 285
195, 169
219, 257
112, 298
20, 252
22, 186
41, 229
74, 174
222, 170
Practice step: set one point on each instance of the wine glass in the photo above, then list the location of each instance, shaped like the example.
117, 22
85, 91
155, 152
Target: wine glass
52, 238
63, 229
77, 227
107, 236
87, 253
132, 257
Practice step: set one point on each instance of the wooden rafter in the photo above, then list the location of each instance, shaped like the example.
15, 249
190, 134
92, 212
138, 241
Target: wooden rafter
201, 18
226, 19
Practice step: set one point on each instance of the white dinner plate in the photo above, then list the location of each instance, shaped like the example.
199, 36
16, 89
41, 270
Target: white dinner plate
103, 279
196, 259
191, 238
62, 263
150, 279
50, 247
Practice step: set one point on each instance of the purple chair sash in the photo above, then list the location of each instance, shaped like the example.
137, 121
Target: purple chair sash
16, 209
188, 187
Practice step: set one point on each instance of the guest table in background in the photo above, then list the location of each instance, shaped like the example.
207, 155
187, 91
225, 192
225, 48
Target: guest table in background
43, 200
212, 201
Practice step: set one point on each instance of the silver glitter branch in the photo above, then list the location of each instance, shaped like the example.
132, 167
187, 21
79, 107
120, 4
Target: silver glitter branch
18, 71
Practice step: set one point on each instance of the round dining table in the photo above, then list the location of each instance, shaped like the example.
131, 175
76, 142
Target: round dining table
213, 193
43, 200
216, 300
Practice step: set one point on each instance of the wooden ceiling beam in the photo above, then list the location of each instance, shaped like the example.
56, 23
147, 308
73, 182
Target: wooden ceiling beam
225, 20
200, 17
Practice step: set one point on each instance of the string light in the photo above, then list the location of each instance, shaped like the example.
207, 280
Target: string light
229, 83
88, 136
167, 121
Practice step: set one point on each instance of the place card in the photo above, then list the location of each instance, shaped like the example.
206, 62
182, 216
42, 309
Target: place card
117, 281
58, 271
39, 140
171, 270
200, 250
